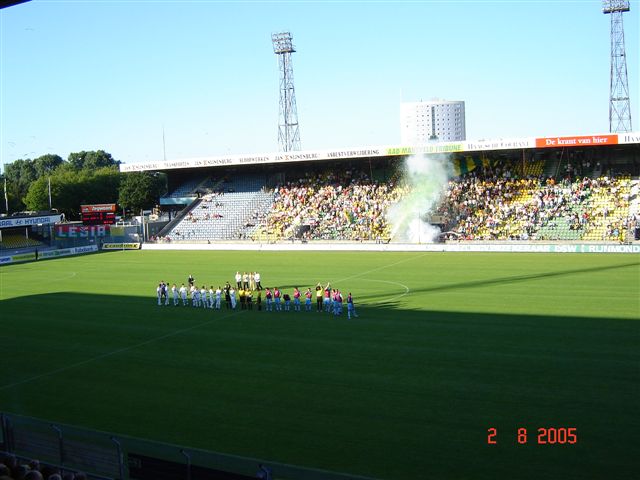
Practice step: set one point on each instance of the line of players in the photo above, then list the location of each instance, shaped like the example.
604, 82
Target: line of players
329, 300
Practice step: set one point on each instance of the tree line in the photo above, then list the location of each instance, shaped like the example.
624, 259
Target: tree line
84, 178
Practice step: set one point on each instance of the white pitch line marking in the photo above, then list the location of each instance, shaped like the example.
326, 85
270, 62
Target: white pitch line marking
406, 291
383, 267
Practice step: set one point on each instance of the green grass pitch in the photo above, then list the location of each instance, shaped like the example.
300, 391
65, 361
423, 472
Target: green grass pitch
446, 346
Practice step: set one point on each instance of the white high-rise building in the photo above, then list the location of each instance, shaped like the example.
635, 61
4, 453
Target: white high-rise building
433, 121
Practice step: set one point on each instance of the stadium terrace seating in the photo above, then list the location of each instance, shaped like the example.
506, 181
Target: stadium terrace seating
230, 213
186, 189
496, 200
489, 205
609, 210
329, 206
15, 241
533, 169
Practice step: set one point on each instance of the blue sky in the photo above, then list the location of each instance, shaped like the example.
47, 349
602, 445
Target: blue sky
87, 75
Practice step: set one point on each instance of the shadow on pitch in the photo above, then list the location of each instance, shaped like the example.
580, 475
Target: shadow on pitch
392, 367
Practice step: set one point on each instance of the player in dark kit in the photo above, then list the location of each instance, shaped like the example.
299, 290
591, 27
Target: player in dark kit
227, 295
249, 295
319, 293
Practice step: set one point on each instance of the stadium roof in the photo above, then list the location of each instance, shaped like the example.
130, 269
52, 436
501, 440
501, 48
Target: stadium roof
466, 146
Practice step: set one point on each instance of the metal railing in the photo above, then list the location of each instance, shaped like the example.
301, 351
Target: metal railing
106, 456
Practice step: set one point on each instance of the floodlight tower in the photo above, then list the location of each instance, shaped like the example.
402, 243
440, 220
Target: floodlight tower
619, 107
288, 131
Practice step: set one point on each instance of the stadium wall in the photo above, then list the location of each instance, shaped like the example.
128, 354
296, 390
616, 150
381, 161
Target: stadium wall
394, 247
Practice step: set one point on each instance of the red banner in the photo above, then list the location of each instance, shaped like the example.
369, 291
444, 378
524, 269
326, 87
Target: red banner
81, 231
101, 207
583, 141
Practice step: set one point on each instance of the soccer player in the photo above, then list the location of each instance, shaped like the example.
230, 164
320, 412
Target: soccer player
296, 299
307, 301
351, 310
327, 298
287, 301
174, 291
159, 293
227, 295
211, 297
238, 280
218, 297
165, 292
203, 297
276, 299
243, 299
249, 295
267, 295
195, 296
245, 281
232, 295
183, 295
256, 276
319, 294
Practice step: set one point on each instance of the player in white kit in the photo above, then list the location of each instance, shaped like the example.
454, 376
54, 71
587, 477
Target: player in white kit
174, 291
195, 296
232, 293
203, 297
183, 294
218, 297
211, 297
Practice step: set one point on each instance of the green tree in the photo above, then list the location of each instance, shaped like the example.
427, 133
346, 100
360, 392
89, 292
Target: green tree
46, 164
91, 160
87, 177
37, 197
140, 190
71, 188
20, 174
104, 185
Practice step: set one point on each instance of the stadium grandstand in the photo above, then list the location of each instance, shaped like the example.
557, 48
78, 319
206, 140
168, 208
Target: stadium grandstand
553, 189
25, 232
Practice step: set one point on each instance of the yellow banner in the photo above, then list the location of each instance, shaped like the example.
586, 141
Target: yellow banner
120, 246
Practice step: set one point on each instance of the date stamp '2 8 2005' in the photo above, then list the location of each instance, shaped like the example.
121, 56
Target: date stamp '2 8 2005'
545, 436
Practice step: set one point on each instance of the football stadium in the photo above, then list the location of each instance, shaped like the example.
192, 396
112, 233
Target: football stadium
461, 309
506, 336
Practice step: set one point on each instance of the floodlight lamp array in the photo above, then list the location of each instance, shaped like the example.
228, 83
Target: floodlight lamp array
282, 43
610, 6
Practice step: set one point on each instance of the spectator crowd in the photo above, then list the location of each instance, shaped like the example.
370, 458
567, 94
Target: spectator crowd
331, 206
16, 468
505, 200
492, 204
